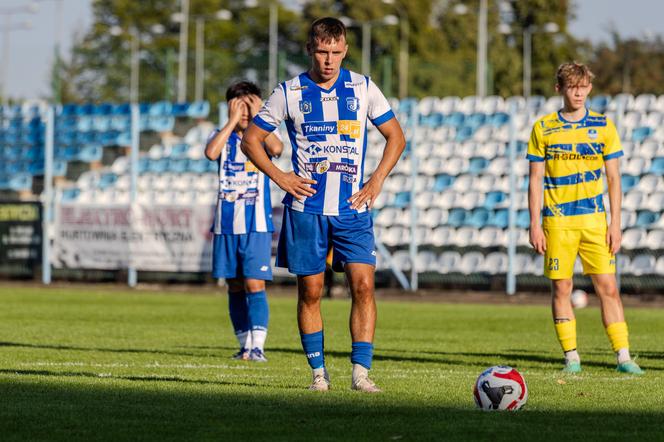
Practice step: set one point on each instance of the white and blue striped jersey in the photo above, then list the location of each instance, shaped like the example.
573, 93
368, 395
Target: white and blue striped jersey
244, 203
328, 131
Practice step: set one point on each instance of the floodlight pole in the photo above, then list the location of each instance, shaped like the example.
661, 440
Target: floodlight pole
47, 195
510, 288
274, 36
182, 54
481, 49
132, 275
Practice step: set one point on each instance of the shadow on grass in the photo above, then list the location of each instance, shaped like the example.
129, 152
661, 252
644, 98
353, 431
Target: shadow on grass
36, 409
98, 349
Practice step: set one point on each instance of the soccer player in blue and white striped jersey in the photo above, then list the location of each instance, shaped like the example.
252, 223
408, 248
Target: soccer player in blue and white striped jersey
326, 111
243, 222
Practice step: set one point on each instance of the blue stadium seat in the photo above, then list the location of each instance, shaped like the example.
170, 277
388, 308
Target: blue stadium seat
457, 217
107, 180
123, 109
401, 199
36, 168
523, 219
158, 166
161, 124
101, 123
657, 166
443, 182
85, 109
20, 181
464, 133
494, 198
600, 103
641, 133
121, 123
478, 218
198, 166
645, 218
70, 194
178, 165
499, 219
477, 165
455, 119
160, 109
628, 182
180, 109
475, 120
199, 109
104, 109
90, 153
179, 150
122, 139
498, 119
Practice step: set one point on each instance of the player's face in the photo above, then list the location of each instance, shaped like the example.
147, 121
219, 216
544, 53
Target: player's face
575, 95
326, 57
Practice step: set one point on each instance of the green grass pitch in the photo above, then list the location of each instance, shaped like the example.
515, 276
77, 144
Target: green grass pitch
86, 364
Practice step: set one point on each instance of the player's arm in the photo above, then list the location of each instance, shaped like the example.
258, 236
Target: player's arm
252, 146
537, 239
273, 145
220, 137
395, 144
614, 232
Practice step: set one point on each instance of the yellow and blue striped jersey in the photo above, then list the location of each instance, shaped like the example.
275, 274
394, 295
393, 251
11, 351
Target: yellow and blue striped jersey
574, 154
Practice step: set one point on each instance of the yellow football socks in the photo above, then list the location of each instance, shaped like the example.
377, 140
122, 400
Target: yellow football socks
566, 332
617, 333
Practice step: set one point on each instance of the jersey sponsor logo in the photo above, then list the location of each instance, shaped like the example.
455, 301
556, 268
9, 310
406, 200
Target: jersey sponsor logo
297, 88
351, 84
352, 103
352, 128
325, 166
305, 106
592, 134
569, 157
317, 149
329, 98
233, 166
264, 268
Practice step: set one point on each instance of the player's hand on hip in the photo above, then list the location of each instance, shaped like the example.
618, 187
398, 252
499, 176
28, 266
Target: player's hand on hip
367, 195
614, 238
297, 186
537, 239
235, 109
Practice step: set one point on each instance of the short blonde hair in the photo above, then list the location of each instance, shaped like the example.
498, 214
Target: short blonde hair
572, 74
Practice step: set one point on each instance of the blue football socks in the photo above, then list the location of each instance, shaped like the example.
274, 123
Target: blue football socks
258, 317
362, 354
237, 308
312, 344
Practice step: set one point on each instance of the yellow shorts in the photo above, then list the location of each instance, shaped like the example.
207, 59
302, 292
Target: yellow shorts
563, 245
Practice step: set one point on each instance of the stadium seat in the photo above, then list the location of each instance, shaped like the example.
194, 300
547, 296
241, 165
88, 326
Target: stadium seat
655, 239
634, 238
491, 237
639, 134
424, 200
495, 263
426, 261
433, 217
457, 217
463, 237
600, 103
523, 264
642, 265
478, 218
499, 219
443, 182
633, 200
471, 262
628, 182
441, 236
645, 218
449, 262
645, 102
657, 166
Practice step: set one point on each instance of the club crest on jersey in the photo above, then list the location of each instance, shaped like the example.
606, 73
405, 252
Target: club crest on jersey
305, 106
352, 103
592, 134
230, 197
323, 166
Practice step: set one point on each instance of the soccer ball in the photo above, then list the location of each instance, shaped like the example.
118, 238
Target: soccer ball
579, 299
500, 388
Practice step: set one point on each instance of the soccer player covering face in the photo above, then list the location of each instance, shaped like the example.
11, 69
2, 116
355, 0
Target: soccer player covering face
567, 151
243, 222
327, 202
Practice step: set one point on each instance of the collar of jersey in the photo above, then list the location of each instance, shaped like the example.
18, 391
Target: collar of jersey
337, 81
581, 121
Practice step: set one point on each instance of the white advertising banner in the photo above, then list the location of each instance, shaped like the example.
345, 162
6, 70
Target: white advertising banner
168, 238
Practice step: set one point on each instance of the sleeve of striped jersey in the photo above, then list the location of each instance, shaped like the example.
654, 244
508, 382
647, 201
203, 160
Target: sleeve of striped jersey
612, 146
379, 108
273, 111
535, 145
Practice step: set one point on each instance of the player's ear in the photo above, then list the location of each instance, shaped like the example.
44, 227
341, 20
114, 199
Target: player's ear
557, 87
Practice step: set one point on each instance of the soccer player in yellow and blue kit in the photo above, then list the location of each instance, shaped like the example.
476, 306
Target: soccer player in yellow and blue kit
567, 151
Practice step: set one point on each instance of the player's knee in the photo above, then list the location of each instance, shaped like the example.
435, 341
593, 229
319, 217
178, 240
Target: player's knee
254, 285
363, 289
562, 287
607, 289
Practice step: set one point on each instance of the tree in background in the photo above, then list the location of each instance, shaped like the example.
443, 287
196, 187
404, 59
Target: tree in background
442, 43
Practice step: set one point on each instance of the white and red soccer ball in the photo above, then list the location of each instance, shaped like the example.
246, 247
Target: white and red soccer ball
500, 388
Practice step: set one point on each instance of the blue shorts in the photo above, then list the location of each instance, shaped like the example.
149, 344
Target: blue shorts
245, 255
305, 239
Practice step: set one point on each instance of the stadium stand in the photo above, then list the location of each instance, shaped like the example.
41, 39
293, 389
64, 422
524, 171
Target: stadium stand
462, 183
